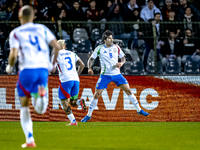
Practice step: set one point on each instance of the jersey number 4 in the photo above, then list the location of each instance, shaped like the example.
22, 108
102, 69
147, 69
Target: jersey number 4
36, 43
69, 62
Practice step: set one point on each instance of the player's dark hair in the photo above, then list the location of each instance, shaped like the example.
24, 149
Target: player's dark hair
105, 35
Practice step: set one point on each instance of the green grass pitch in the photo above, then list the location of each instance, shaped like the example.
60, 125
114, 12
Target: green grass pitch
104, 136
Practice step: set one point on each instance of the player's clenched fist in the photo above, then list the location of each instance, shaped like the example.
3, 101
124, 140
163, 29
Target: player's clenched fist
90, 72
119, 64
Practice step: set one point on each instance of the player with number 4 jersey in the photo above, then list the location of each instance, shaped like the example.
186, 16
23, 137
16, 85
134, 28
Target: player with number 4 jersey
32, 40
31, 43
69, 80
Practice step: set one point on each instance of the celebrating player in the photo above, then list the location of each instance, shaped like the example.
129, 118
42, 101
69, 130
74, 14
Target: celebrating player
69, 80
33, 41
110, 71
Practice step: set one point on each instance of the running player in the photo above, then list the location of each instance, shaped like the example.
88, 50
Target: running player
69, 80
32, 41
110, 72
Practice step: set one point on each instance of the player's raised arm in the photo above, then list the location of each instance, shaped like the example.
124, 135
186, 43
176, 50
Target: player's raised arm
90, 62
56, 47
81, 66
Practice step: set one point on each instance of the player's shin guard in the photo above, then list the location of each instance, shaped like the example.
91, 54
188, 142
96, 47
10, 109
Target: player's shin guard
27, 124
93, 104
134, 101
41, 105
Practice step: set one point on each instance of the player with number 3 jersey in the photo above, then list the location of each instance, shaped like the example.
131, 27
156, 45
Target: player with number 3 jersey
69, 80
31, 43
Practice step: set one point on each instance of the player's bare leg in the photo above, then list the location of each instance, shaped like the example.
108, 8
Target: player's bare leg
132, 98
68, 111
41, 102
76, 102
26, 123
93, 104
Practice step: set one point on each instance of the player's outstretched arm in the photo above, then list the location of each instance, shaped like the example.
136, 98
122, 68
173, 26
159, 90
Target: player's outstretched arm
12, 58
56, 47
81, 66
120, 64
90, 62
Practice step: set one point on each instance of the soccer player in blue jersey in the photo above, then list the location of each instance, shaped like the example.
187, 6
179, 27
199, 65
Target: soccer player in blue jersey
31, 43
110, 72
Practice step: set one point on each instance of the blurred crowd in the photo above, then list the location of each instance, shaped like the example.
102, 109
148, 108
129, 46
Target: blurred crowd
95, 10
175, 41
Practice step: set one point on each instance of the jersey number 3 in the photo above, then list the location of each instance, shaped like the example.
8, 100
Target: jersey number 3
69, 62
35, 43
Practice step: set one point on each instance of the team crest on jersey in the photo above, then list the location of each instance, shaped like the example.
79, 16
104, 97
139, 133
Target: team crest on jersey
115, 50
